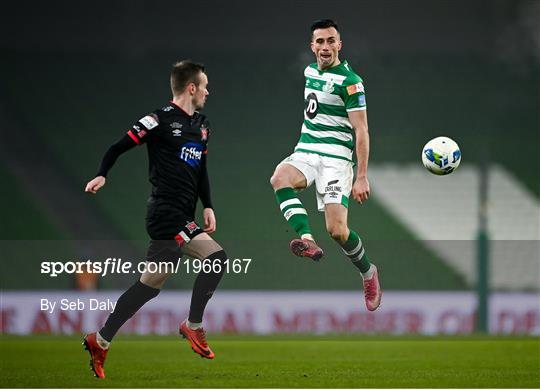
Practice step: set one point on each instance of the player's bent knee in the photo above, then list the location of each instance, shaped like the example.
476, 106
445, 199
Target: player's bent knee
278, 182
284, 176
216, 258
208, 251
153, 280
338, 232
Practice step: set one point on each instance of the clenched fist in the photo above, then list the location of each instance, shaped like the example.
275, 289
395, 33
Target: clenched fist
95, 184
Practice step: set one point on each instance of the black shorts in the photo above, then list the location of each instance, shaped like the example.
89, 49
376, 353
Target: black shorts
169, 228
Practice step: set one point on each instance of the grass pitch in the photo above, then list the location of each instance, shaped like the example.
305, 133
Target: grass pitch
277, 361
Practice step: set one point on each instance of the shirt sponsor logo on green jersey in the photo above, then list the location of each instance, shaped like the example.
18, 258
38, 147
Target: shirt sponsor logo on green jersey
312, 105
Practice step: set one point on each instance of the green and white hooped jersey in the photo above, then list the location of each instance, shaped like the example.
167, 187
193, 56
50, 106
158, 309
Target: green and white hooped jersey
329, 96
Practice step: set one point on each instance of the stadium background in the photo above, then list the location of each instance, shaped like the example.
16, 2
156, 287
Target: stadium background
74, 77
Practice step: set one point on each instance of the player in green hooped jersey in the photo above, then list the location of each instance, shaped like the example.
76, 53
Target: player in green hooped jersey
335, 107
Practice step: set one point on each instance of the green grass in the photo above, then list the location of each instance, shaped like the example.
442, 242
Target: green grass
278, 362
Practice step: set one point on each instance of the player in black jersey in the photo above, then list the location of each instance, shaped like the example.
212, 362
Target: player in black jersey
176, 137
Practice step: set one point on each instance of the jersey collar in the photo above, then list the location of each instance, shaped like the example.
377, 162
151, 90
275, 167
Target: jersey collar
340, 65
182, 111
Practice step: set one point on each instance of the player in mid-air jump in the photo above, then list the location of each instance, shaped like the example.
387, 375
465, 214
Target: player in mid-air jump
176, 137
335, 107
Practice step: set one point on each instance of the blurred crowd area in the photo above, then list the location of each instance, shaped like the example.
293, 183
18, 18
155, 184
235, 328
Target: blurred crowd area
74, 80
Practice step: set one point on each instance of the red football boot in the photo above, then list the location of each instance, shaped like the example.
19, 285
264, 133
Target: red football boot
372, 291
197, 339
97, 354
306, 248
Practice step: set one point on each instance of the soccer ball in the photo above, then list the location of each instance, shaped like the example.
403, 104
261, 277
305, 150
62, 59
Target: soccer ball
441, 156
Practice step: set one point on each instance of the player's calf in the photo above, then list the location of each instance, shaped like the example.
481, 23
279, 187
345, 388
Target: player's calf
355, 251
203, 289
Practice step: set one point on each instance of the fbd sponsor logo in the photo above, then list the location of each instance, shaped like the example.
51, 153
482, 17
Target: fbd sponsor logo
311, 105
191, 153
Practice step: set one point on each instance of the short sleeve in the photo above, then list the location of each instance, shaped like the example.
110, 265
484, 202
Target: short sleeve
354, 95
144, 128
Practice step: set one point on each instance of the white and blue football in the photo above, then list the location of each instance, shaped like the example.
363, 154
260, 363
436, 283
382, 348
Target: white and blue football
441, 156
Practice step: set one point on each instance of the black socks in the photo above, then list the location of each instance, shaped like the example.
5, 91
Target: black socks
128, 304
204, 287
138, 294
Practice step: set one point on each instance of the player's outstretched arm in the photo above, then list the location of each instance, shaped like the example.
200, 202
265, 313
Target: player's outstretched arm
123, 145
361, 190
95, 184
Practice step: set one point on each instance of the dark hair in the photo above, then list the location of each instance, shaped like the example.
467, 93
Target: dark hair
183, 73
323, 23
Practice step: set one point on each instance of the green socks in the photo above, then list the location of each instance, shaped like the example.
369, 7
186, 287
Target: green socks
355, 251
293, 210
